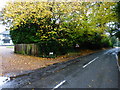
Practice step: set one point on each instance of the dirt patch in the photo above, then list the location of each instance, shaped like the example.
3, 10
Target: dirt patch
13, 64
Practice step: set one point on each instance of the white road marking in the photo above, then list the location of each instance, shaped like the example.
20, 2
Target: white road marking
116, 56
90, 62
59, 84
117, 62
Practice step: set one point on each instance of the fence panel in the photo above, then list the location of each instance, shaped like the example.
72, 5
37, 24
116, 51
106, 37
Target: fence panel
29, 49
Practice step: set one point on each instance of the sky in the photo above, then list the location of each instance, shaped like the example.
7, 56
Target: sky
2, 4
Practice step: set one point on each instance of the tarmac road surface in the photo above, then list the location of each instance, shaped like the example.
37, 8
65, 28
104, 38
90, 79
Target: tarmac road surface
98, 70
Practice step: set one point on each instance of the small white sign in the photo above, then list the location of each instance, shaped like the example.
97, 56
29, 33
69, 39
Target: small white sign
77, 45
50, 53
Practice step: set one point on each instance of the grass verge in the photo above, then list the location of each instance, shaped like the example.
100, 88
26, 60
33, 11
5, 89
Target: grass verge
9, 46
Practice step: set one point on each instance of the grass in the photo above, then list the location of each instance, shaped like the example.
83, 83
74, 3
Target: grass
9, 46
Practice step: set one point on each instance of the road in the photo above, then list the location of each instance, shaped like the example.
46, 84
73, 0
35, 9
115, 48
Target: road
98, 70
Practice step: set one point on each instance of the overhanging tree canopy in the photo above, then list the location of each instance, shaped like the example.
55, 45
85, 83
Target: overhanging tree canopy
66, 23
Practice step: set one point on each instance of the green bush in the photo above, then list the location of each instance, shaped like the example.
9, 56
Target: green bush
51, 46
24, 34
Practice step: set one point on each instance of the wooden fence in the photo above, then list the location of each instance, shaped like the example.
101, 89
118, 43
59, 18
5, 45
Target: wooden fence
28, 49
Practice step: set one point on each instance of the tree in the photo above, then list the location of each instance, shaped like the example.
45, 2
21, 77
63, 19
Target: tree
63, 23
118, 19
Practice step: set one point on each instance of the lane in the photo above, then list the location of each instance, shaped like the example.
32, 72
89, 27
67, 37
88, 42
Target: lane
101, 72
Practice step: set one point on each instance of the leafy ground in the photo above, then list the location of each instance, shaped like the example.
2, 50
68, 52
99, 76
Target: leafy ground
13, 64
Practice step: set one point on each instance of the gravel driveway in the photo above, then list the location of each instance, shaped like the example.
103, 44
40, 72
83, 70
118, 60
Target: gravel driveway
12, 64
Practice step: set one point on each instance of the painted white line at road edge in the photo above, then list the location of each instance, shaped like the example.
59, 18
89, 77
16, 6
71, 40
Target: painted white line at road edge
116, 56
59, 84
90, 62
117, 62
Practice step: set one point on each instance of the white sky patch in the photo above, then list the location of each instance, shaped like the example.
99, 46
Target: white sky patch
2, 5
111, 24
2, 28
